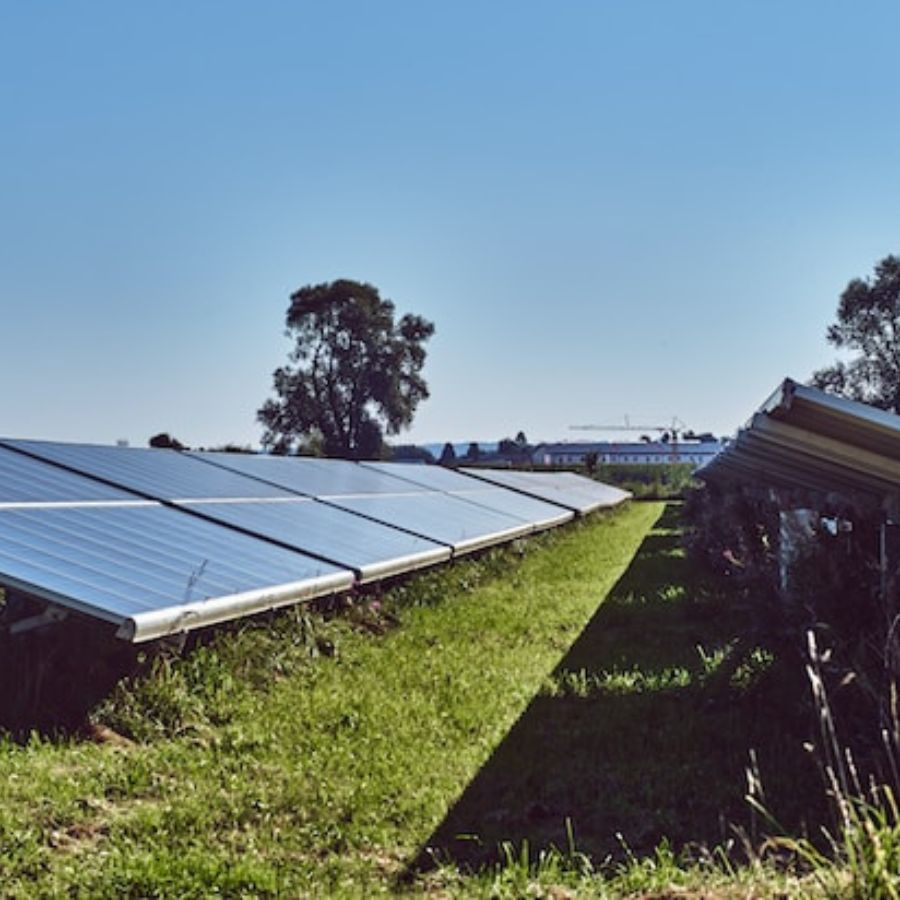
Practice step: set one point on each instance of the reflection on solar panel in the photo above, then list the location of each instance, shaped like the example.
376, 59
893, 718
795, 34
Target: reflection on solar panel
373, 550
383, 498
22, 480
309, 476
437, 478
583, 495
160, 474
253, 506
146, 568
463, 525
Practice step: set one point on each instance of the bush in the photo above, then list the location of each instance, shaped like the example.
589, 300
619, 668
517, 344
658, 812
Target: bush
648, 481
835, 589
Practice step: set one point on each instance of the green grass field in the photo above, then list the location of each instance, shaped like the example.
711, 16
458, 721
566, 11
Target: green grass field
434, 740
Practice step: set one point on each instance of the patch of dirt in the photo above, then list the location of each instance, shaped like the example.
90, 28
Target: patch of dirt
78, 837
388, 862
103, 734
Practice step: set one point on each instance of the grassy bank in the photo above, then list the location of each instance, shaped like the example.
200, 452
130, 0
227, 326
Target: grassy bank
438, 739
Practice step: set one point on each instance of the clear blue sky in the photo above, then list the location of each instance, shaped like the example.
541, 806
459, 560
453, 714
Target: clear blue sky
606, 208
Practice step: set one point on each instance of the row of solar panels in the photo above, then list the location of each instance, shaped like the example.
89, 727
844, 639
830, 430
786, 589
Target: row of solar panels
802, 437
159, 542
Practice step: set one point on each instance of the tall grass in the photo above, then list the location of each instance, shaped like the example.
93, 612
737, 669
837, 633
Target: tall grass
859, 855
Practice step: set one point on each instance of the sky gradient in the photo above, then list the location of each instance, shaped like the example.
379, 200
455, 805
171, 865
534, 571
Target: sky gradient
641, 208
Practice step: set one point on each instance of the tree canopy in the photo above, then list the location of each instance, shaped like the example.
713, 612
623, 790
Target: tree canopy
164, 440
448, 455
353, 373
411, 453
868, 326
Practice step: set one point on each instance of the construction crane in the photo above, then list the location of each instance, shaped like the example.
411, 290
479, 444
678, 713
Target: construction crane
669, 433
674, 429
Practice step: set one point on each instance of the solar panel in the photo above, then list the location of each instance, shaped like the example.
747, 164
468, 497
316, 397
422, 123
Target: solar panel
539, 513
583, 495
464, 526
372, 549
146, 568
382, 497
160, 474
158, 542
310, 476
21, 480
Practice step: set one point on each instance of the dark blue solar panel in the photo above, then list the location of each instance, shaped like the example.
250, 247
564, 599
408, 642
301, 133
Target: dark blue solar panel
25, 480
161, 474
581, 494
372, 549
150, 569
539, 513
310, 476
80, 527
385, 498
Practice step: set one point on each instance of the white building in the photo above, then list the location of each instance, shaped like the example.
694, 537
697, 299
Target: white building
695, 453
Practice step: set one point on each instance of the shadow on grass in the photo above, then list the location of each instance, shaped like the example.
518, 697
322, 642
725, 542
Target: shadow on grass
51, 677
642, 730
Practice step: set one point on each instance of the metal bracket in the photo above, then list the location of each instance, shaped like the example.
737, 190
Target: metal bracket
50, 616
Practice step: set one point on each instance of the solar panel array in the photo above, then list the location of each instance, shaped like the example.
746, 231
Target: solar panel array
143, 566
530, 509
571, 491
257, 507
803, 437
382, 497
158, 542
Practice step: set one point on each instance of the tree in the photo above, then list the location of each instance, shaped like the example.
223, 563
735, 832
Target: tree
868, 324
411, 453
164, 440
352, 376
448, 455
230, 447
